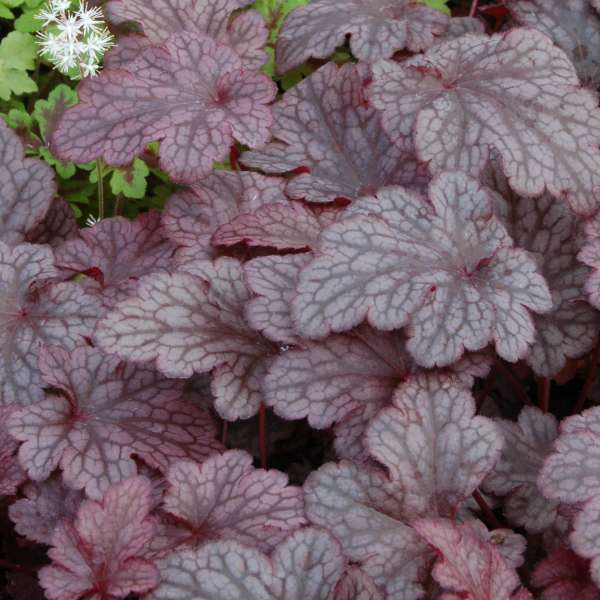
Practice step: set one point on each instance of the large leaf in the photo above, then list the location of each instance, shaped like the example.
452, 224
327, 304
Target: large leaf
246, 33
26, 188
515, 92
194, 215
585, 539
100, 552
194, 323
306, 566
377, 29
325, 125
36, 312
226, 498
469, 567
590, 255
433, 445
191, 93
573, 25
58, 226
528, 442
107, 412
363, 510
447, 268
118, 252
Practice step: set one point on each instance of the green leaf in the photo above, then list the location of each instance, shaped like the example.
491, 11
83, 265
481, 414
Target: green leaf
27, 22
48, 111
17, 55
5, 8
18, 119
65, 169
274, 12
131, 182
438, 5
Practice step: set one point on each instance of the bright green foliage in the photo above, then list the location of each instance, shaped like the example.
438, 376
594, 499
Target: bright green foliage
59, 99
131, 182
6, 6
17, 56
27, 22
438, 4
274, 12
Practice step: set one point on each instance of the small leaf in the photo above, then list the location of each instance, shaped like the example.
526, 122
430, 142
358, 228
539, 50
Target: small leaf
132, 181
17, 55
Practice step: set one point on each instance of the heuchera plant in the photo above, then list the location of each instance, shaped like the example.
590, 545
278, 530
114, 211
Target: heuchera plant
354, 354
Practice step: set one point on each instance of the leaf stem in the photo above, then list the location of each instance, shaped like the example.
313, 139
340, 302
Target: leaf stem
543, 389
100, 175
486, 510
473, 8
590, 377
262, 435
224, 432
119, 203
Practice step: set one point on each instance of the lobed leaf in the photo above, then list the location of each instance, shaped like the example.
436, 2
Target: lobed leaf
376, 28
44, 506
100, 552
35, 312
226, 498
573, 25
107, 413
363, 510
194, 323
446, 268
118, 251
584, 538
527, 443
306, 566
469, 567
324, 125
551, 232
27, 186
570, 473
191, 93
514, 92
193, 216
432, 444
245, 33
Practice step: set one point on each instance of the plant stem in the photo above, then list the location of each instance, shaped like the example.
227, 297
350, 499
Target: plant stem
262, 435
100, 174
473, 8
590, 377
224, 433
543, 388
119, 202
486, 510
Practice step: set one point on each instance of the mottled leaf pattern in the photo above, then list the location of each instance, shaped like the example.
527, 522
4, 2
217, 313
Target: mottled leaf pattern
226, 498
193, 216
118, 252
306, 566
573, 25
246, 33
363, 510
191, 93
433, 445
100, 552
194, 323
586, 534
27, 188
45, 504
571, 472
447, 268
273, 278
590, 255
468, 566
515, 92
33, 312
377, 29
357, 585
107, 412
325, 126
58, 226
527, 443
12, 474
